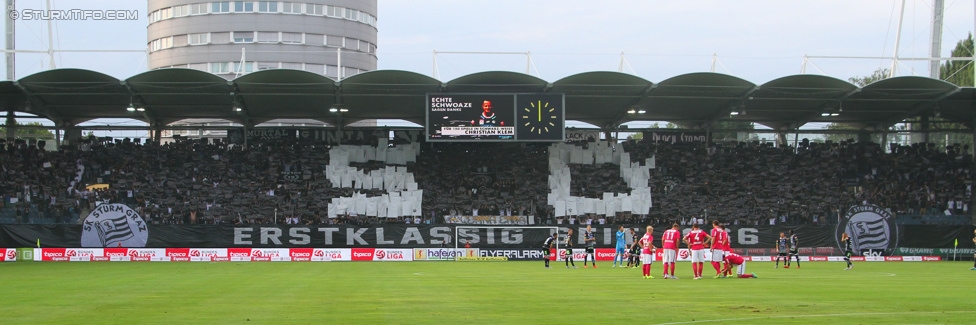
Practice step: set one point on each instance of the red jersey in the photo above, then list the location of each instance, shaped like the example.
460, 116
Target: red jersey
696, 238
646, 243
728, 242
734, 259
670, 239
720, 239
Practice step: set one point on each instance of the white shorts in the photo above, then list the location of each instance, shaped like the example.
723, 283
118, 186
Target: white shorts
647, 258
741, 269
718, 255
698, 256
669, 256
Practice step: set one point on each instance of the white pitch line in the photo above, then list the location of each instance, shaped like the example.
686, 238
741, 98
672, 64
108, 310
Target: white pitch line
815, 315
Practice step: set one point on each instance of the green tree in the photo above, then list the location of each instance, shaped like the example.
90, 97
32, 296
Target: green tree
959, 73
719, 135
881, 73
22, 132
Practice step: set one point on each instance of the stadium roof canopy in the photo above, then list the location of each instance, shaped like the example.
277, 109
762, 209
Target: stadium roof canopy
605, 99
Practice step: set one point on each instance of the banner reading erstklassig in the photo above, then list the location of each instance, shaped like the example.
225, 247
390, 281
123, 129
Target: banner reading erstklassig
437, 236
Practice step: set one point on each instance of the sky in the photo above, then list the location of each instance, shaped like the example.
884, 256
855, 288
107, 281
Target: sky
756, 40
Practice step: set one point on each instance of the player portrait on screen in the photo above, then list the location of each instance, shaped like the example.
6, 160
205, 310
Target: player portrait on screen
487, 118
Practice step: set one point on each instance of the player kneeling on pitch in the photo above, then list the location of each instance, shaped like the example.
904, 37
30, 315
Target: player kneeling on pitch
740, 263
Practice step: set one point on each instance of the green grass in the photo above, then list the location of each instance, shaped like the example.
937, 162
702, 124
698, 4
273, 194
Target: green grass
478, 292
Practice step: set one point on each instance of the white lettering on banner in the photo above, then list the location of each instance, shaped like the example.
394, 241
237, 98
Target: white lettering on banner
356, 236
477, 130
299, 236
674, 137
273, 234
242, 236
511, 236
443, 233
412, 234
747, 236
576, 135
328, 234
380, 238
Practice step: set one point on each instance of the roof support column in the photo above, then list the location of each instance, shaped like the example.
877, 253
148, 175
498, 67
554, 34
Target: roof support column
57, 136
72, 134
246, 128
11, 126
925, 128
708, 138
884, 141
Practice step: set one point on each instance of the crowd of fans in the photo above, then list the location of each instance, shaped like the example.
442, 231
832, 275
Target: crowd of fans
283, 181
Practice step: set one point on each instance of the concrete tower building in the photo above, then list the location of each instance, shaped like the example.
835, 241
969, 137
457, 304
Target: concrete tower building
335, 38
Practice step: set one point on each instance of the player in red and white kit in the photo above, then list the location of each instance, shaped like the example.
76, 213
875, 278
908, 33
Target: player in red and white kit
669, 241
719, 240
695, 239
647, 252
734, 259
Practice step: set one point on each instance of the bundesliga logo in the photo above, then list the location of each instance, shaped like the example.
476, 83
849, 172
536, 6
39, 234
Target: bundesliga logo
872, 230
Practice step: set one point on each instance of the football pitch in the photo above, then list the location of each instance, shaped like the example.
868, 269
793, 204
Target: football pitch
479, 292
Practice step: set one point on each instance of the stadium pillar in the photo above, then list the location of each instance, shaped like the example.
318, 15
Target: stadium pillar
863, 136
72, 134
708, 137
11, 126
781, 139
925, 128
884, 140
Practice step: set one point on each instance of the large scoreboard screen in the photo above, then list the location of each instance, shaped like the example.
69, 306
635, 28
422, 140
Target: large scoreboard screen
495, 117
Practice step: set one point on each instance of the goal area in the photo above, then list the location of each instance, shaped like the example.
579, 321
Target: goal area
505, 237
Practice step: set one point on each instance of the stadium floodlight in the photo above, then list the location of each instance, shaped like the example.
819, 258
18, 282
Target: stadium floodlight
333, 110
130, 108
343, 110
632, 111
734, 113
825, 114
641, 112
141, 109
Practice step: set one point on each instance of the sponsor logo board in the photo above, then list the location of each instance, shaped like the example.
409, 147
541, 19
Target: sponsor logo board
53, 254
362, 254
522, 254
605, 254
300, 254
392, 255
331, 254
443, 254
